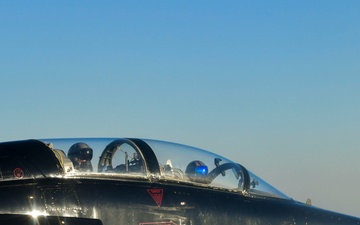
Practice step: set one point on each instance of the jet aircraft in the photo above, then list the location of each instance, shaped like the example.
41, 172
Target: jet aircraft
108, 181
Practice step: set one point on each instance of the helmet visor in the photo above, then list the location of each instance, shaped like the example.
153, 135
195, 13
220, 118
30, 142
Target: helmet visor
85, 154
201, 171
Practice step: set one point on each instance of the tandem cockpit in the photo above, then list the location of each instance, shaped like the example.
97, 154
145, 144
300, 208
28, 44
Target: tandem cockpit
148, 160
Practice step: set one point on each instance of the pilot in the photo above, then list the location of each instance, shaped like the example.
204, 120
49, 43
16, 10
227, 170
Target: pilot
197, 171
81, 154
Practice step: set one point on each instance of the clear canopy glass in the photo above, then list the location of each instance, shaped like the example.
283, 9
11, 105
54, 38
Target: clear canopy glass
185, 165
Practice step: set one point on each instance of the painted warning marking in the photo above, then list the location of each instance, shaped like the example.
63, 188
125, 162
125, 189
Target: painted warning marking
157, 195
18, 173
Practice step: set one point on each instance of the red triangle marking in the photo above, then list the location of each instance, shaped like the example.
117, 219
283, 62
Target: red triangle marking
157, 195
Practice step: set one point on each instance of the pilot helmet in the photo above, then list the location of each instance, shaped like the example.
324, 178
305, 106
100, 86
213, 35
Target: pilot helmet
81, 151
197, 171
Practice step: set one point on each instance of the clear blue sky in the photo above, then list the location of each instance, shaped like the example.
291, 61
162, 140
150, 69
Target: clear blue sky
274, 85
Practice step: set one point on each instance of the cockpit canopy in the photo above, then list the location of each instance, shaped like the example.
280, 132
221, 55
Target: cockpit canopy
130, 158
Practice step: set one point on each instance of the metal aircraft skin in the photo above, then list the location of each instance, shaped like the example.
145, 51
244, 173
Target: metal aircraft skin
108, 181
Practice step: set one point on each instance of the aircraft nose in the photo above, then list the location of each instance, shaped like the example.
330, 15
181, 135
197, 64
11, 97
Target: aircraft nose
329, 218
